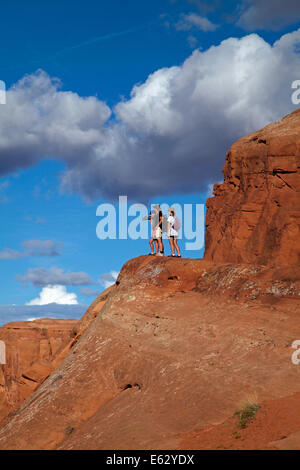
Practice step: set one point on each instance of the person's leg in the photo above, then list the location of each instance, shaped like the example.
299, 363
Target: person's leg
159, 239
156, 245
177, 247
171, 241
161, 245
151, 245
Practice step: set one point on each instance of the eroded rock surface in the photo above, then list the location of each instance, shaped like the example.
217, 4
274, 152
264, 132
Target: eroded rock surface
35, 348
175, 348
31, 347
254, 216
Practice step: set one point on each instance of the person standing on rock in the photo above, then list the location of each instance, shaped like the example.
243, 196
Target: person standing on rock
173, 227
153, 240
157, 228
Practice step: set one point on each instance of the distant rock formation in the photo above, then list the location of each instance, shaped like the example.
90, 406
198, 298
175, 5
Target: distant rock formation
31, 347
34, 349
254, 216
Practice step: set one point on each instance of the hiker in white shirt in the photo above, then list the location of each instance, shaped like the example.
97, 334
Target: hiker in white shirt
173, 233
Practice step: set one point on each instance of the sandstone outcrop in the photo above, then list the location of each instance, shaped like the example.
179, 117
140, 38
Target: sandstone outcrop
31, 347
34, 349
254, 216
163, 359
175, 348
276, 426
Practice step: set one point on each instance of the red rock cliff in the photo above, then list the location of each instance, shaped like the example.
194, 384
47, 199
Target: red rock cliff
31, 347
255, 214
167, 355
176, 346
34, 349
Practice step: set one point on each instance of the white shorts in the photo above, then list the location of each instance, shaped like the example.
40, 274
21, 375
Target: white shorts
158, 233
173, 233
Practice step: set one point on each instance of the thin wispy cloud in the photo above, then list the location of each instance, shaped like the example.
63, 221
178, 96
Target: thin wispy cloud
104, 37
195, 21
35, 220
32, 248
88, 42
192, 40
3, 197
87, 292
108, 279
9, 254
41, 277
271, 15
9, 313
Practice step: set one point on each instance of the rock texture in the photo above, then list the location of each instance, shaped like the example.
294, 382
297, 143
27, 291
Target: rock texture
163, 357
255, 214
276, 426
31, 347
34, 349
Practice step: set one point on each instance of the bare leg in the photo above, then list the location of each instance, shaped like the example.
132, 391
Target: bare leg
151, 245
161, 245
171, 241
156, 245
177, 247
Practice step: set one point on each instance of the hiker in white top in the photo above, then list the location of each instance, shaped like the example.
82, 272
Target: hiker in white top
173, 224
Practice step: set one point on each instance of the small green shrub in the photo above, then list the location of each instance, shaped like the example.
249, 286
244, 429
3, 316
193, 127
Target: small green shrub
246, 414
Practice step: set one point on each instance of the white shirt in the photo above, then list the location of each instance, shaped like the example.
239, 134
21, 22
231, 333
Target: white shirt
173, 232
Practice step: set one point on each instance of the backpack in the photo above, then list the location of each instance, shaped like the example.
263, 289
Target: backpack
177, 224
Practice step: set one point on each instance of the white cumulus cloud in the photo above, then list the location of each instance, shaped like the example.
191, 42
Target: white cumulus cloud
40, 277
172, 133
54, 294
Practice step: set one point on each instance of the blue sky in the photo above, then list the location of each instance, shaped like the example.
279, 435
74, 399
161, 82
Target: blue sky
112, 98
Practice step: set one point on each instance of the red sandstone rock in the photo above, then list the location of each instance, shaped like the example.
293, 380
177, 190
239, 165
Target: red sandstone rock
168, 353
30, 348
275, 426
34, 349
255, 214
165, 357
